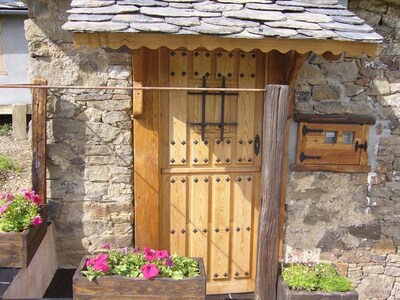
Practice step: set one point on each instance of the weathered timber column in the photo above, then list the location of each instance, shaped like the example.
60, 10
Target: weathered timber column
39, 103
273, 150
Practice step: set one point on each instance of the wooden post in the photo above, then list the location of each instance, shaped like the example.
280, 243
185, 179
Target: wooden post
19, 121
273, 151
39, 102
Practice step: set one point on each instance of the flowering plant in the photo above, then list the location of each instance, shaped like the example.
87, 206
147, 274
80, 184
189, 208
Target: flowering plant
135, 263
19, 212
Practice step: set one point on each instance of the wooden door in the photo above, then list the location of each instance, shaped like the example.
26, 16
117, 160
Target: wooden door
210, 173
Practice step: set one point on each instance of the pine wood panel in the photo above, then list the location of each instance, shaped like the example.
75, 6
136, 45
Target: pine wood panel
178, 213
220, 227
243, 206
246, 106
138, 77
200, 150
198, 217
222, 154
178, 72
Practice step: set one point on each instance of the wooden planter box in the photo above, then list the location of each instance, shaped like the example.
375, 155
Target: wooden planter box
284, 293
18, 248
119, 287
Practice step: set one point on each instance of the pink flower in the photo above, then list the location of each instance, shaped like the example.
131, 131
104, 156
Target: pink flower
149, 254
169, 262
99, 263
90, 262
37, 220
31, 195
9, 197
106, 246
4, 207
149, 271
162, 254
101, 266
136, 250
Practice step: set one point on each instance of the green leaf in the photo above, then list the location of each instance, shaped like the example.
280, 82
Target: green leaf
177, 275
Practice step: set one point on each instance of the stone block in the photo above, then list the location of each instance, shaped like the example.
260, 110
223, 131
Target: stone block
385, 246
373, 270
97, 173
99, 149
115, 117
392, 271
366, 231
379, 86
95, 190
389, 100
375, 286
345, 71
343, 108
393, 260
312, 74
111, 105
378, 258
325, 92
357, 256
120, 72
90, 114
100, 132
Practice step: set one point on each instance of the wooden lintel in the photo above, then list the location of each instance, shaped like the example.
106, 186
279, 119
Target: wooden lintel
39, 100
335, 119
273, 151
192, 42
138, 77
331, 168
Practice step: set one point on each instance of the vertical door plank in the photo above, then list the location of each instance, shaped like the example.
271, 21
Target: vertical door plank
146, 167
198, 217
220, 229
138, 77
365, 137
243, 196
225, 65
246, 105
202, 64
178, 74
178, 213
222, 154
200, 150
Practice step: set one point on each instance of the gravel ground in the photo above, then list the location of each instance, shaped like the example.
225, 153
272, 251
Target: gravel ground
20, 152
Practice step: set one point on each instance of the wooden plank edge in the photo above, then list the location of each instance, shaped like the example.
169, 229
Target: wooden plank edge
331, 168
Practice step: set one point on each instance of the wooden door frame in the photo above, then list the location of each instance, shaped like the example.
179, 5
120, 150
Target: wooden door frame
149, 69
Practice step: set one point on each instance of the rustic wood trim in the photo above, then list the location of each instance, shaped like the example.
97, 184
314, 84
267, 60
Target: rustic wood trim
192, 42
138, 77
273, 150
335, 119
39, 103
364, 154
210, 170
146, 166
330, 168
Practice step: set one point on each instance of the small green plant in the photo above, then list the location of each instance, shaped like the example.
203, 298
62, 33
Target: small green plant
5, 129
8, 164
134, 263
319, 277
19, 212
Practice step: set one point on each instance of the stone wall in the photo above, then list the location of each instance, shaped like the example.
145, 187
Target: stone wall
89, 152
354, 219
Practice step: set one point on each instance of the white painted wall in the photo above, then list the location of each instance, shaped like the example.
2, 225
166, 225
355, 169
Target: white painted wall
15, 59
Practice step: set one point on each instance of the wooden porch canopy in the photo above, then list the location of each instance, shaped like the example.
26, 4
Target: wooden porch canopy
287, 26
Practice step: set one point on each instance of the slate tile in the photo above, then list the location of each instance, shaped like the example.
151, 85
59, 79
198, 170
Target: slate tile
244, 35
270, 31
214, 6
176, 12
187, 22
331, 12
294, 24
130, 18
114, 9
91, 3
256, 15
215, 29
347, 27
155, 27
348, 20
318, 34
309, 17
230, 22
95, 26
184, 31
181, 5
309, 4
90, 18
246, 1
142, 2
273, 7
358, 36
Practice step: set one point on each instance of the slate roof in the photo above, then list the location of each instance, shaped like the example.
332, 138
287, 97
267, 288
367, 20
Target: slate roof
12, 5
252, 19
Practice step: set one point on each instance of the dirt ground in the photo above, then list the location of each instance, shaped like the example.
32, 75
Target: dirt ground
20, 152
